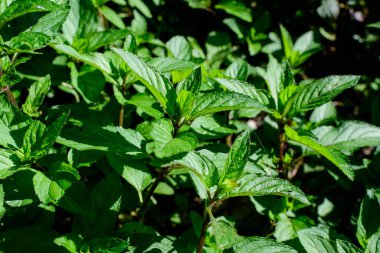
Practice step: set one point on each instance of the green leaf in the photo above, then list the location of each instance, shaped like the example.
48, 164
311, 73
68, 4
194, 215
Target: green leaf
374, 25
199, 4
30, 239
8, 163
165, 145
223, 101
89, 82
51, 23
272, 76
287, 228
304, 48
224, 233
106, 199
71, 25
317, 240
59, 189
319, 92
346, 247
332, 155
71, 242
39, 139
237, 70
141, 6
13, 124
261, 245
373, 245
192, 82
254, 185
137, 174
218, 46
96, 60
212, 127
19, 7
104, 38
287, 42
164, 64
28, 42
146, 103
237, 158
315, 243
139, 25
105, 244
245, 89
185, 103
37, 93
324, 113
112, 16
160, 87
350, 135
368, 221
110, 139
236, 8
203, 171
179, 48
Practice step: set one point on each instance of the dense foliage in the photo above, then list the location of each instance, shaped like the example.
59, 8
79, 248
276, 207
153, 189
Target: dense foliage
189, 126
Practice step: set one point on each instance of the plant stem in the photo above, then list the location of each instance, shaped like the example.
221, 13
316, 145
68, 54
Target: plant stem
121, 111
282, 144
202, 237
297, 164
10, 96
159, 178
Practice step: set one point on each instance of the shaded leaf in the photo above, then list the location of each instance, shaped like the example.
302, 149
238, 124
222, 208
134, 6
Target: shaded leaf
110, 139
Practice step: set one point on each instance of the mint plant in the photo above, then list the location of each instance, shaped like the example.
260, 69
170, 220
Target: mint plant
120, 134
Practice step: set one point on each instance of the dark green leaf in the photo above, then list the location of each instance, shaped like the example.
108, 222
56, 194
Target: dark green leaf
13, 124
237, 158
37, 93
110, 139
135, 173
192, 82
368, 221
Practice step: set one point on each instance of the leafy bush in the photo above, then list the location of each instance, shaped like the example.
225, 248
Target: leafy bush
142, 130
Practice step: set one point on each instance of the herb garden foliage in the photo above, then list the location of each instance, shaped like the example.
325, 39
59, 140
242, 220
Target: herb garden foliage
122, 130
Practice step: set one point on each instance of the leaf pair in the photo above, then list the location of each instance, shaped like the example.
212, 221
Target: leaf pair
232, 180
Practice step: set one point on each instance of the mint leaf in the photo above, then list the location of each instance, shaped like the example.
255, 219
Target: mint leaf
332, 155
